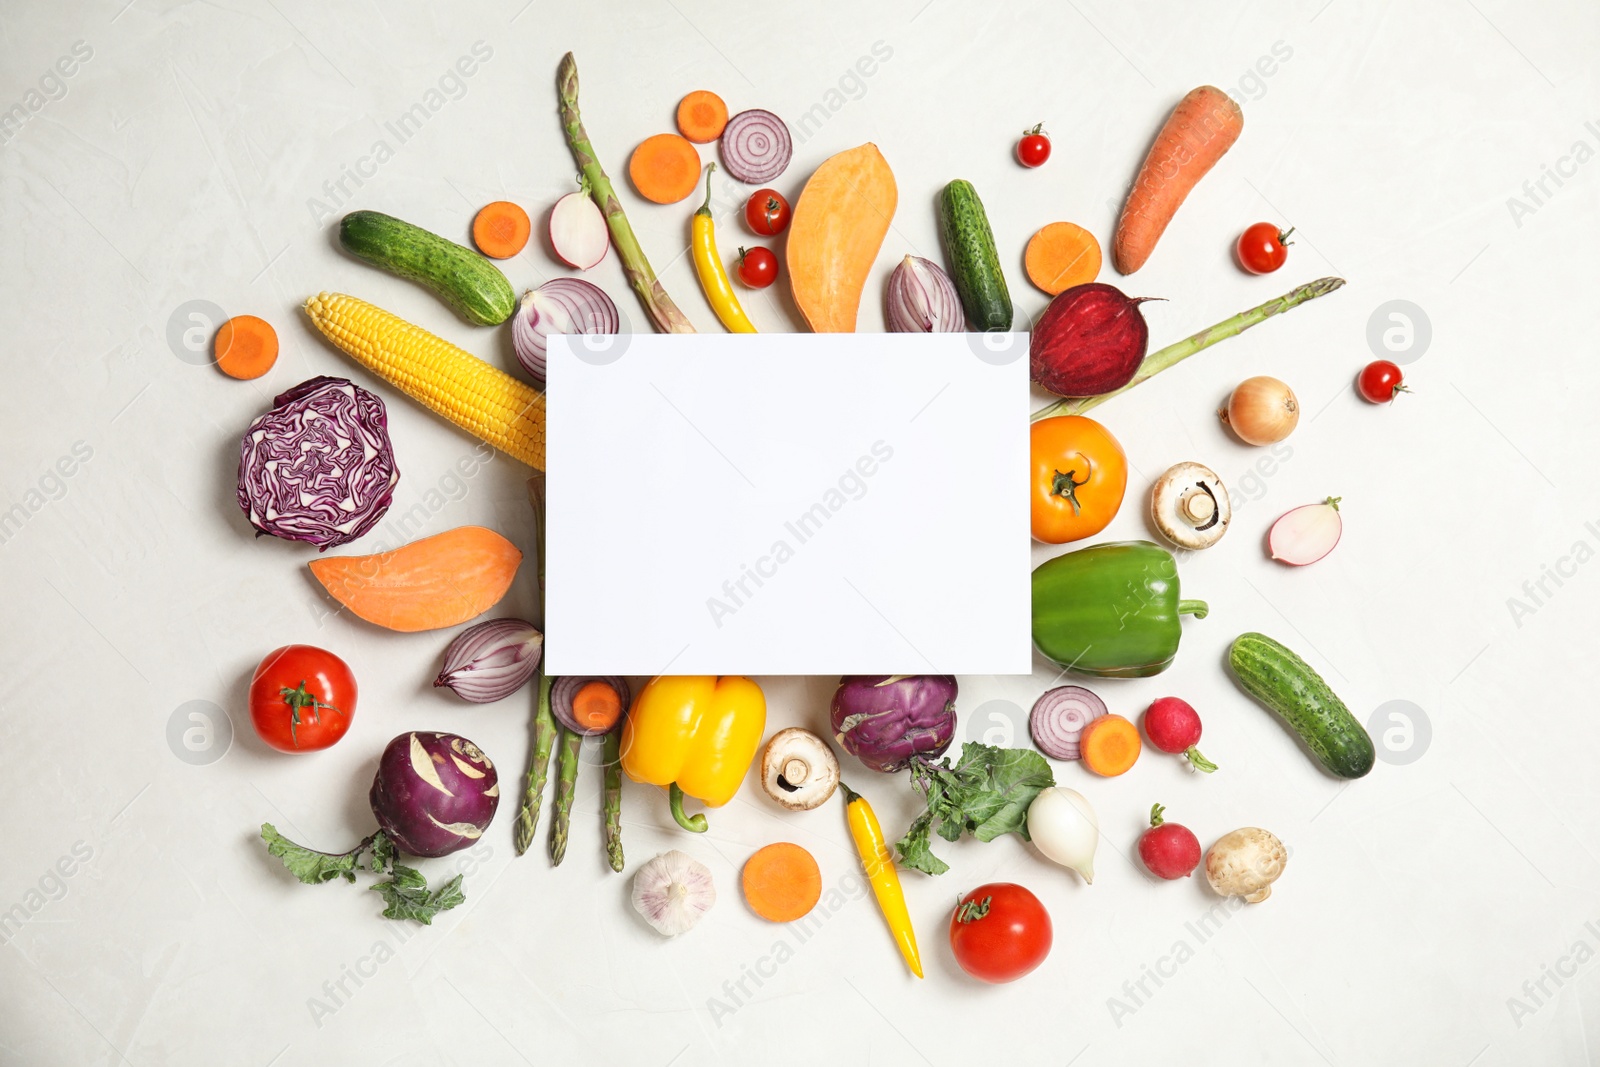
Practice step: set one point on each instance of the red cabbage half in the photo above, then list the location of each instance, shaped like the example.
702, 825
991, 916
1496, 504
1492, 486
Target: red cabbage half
318, 467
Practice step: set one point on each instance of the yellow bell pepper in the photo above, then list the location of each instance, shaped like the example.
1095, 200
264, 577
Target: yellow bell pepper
695, 734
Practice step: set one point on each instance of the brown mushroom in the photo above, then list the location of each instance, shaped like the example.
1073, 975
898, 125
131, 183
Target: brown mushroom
1189, 505
798, 769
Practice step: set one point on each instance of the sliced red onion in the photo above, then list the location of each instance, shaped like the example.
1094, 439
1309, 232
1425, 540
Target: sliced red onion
1058, 718
491, 660
756, 146
923, 299
563, 689
561, 305
318, 467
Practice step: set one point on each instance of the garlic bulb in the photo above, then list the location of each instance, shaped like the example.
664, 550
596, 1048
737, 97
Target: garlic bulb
672, 891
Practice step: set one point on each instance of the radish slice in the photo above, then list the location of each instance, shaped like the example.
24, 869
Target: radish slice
756, 146
560, 305
1058, 718
578, 231
1307, 533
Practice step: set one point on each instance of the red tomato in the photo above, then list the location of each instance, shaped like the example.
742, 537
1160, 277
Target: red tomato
1381, 381
1034, 148
1263, 248
302, 698
766, 212
1000, 932
758, 268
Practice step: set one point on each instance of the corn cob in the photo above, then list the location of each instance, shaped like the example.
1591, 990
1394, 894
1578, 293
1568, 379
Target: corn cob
449, 381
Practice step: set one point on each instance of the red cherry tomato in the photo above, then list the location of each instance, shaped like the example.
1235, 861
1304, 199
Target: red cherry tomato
766, 212
302, 698
1034, 148
1263, 248
758, 268
1000, 932
1380, 382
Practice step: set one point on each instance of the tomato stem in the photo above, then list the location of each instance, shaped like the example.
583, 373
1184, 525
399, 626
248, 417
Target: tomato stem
1065, 485
973, 910
299, 700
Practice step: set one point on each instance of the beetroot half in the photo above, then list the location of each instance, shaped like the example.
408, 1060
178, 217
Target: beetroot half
1090, 340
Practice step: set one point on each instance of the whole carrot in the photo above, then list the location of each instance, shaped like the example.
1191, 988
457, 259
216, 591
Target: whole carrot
1200, 129
881, 874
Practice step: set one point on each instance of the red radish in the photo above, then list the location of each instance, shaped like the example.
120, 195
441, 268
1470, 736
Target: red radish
1174, 726
1168, 849
578, 231
1090, 340
1307, 533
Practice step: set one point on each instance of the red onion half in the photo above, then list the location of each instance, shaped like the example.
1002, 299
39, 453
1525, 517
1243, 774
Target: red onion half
566, 687
756, 146
318, 467
1058, 718
923, 299
561, 305
491, 660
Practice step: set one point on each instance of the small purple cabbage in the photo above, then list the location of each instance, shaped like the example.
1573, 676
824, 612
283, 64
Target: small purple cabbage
434, 793
318, 467
887, 720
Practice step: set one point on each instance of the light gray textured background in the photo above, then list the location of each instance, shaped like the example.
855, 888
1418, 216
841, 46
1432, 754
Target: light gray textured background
1443, 910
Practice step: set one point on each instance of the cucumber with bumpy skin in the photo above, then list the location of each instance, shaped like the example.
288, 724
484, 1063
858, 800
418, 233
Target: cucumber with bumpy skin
1294, 692
974, 263
463, 279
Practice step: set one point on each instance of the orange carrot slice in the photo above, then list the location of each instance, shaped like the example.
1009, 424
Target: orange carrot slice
782, 882
1061, 255
438, 581
1200, 129
665, 168
246, 347
501, 229
596, 706
1109, 745
701, 116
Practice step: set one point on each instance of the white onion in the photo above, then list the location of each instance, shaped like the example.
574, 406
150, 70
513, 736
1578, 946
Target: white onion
1062, 825
561, 305
923, 299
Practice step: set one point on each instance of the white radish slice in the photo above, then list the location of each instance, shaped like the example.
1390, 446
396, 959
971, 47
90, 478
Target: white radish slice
1307, 533
578, 231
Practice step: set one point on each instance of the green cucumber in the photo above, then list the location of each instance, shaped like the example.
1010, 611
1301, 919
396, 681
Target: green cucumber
974, 263
1294, 692
463, 279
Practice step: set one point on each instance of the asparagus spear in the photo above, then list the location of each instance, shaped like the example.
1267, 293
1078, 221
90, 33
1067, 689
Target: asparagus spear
664, 314
1156, 362
613, 797
544, 736
571, 742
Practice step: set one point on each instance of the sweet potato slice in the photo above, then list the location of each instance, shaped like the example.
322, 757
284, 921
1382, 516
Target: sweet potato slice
838, 227
438, 581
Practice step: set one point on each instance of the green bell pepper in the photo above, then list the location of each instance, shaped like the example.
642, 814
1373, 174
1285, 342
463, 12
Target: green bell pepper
1111, 610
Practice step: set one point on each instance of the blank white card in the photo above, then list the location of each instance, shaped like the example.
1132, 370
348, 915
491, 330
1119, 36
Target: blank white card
788, 504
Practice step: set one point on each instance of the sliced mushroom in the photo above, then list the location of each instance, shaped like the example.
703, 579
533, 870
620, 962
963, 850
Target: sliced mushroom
1189, 505
798, 769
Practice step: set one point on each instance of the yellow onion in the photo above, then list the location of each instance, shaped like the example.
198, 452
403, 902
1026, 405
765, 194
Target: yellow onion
1262, 411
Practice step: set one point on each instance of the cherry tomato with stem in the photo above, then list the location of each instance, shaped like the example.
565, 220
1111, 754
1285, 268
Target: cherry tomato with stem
1263, 248
758, 267
766, 212
302, 698
1380, 382
1000, 932
1034, 148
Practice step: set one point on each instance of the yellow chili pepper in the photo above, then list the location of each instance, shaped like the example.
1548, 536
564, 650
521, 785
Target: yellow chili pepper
695, 734
881, 874
708, 264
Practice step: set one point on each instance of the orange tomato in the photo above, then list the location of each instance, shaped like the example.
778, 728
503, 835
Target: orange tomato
1079, 476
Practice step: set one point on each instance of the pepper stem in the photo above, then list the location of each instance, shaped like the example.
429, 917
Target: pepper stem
1199, 762
1197, 608
695, 824
705, 208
